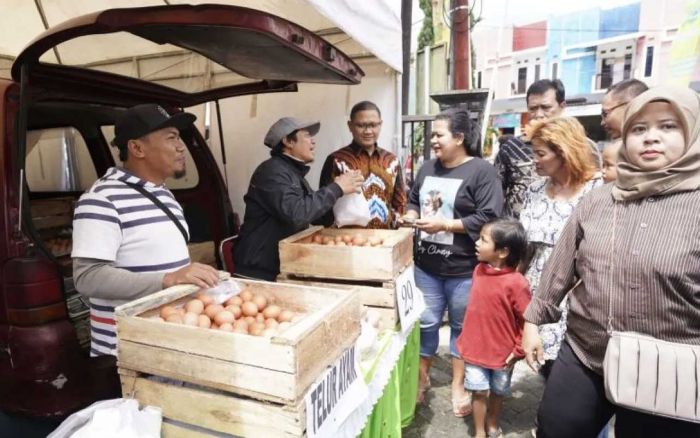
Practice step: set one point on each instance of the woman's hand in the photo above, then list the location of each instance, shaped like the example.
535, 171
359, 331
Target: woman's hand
532, 346
432, 225
408, 219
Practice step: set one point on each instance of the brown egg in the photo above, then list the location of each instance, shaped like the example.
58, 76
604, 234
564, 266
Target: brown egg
235, 310
241, 330
359, 240
347, 238
259, 318
191, 318
249, 308
374, 241
212, 309
272, 311
204, 298
246, 295
338, 238
260, 301
175, 318
226, 327
166, 311
224, 317
326, 239
249, 320
204, 321
271, 323
181, 311
256, 329
241, 324
317, 239
341, 244
330, 243
195, 306
234, 301
285, 316
214, 326
268, 333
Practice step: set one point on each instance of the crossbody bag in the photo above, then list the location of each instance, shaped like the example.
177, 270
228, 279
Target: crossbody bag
160, 205
649, 375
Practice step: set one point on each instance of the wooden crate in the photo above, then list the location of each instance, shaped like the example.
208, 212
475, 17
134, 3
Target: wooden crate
195, 411
52, 213
278, 369
377, 296
201, 411
300, 257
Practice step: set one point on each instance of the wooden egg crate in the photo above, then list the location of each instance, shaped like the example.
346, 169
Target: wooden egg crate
277, 369
301, 257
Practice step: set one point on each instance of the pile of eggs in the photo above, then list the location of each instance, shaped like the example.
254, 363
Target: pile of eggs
246, 313
347, 240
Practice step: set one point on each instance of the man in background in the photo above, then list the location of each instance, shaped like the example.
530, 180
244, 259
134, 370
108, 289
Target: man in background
384, 186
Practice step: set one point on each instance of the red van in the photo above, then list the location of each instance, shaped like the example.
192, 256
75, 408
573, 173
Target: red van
56, 123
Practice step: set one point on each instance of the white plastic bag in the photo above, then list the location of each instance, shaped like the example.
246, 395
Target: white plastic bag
116, 418
352, 209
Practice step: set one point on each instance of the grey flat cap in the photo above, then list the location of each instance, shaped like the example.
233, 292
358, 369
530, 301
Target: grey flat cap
285, 126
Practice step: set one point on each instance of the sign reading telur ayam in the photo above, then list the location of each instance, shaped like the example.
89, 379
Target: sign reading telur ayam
335, 395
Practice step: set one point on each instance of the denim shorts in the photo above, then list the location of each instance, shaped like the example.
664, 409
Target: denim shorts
478, 378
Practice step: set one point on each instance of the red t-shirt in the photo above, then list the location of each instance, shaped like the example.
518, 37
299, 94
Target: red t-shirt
493, 323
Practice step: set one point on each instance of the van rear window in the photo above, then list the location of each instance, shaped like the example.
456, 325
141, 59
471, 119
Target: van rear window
189, 181
58, 160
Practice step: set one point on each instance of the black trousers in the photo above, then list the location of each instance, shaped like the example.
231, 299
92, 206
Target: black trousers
574, 406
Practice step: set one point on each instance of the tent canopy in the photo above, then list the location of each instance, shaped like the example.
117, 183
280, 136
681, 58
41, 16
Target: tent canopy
345, 23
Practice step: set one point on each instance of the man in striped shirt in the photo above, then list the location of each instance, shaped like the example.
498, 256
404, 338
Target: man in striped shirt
124, 245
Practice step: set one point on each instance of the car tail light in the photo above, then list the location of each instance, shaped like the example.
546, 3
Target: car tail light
36, 315
32, 286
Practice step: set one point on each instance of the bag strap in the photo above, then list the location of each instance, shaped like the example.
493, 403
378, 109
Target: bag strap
160, 205
612, 270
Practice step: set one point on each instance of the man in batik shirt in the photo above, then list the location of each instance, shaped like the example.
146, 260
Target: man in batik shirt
383, 187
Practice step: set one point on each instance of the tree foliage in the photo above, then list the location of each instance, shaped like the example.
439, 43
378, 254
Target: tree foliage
426, 37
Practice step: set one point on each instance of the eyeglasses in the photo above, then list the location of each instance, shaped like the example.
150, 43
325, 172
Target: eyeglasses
365, 126
606, 112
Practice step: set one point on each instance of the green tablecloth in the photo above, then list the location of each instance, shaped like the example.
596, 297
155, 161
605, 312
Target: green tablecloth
396, 407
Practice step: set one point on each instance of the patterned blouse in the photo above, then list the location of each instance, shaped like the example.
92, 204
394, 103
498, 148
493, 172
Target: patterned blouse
383, 187
544, 219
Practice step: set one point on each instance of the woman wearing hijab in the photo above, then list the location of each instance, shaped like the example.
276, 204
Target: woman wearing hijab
635, 246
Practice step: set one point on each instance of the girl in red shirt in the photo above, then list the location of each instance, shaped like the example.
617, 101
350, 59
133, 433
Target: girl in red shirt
493, 323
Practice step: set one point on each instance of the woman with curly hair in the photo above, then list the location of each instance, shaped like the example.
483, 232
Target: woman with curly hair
562, 156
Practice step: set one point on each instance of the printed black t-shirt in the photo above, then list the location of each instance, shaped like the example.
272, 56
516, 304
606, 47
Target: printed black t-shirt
470, 192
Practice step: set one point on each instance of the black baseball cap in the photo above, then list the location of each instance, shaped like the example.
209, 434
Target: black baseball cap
143, 119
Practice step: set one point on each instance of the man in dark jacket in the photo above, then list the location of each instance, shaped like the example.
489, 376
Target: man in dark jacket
280, 201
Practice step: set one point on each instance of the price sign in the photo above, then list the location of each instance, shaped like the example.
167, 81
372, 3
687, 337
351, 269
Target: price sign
333, 397
409, 299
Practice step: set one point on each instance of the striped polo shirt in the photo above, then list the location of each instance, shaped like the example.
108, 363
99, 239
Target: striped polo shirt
116, 223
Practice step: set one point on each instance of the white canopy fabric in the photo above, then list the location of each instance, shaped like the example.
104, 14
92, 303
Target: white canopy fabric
374, 27
369, 31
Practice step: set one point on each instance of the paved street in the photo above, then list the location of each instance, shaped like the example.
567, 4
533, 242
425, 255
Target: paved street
435, 419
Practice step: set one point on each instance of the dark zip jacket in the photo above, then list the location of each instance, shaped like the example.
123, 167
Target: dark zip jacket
279, 203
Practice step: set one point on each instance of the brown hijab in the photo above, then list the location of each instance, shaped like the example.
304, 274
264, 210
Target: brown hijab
680, 176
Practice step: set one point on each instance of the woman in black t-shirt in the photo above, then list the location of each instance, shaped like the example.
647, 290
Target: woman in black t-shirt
453, 196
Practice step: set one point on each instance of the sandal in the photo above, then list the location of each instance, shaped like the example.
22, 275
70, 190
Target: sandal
462, 407
498, 433
422, 389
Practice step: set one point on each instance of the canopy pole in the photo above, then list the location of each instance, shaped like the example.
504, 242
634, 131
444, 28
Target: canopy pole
221, 141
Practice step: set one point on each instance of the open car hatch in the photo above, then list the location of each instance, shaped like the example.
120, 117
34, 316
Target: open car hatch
179, 54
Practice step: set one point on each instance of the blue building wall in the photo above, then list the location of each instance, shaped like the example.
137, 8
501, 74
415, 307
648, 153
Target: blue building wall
578, 73
568, 30
619, 21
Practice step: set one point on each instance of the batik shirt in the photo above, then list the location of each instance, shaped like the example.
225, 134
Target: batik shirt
383, 187
516, 170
